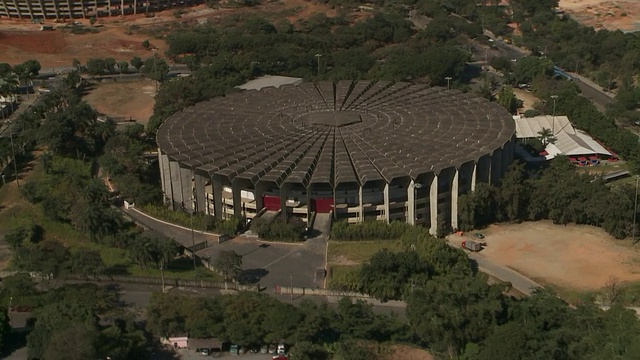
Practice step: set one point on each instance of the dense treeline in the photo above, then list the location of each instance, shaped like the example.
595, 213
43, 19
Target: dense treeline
252, 319
560, 193
76, 321
380, 47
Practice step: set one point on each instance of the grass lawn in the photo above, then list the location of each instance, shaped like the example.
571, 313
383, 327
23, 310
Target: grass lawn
355, 252
342, 276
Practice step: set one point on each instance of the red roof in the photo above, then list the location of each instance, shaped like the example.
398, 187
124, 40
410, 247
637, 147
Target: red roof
582, 158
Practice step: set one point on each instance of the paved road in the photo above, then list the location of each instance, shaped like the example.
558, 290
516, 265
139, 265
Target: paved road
517, 280
270, 264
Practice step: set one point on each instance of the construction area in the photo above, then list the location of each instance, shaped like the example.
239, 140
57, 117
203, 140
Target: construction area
576, 257
621, 15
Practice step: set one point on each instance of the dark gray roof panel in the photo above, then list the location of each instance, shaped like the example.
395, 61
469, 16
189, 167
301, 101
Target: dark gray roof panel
349, 131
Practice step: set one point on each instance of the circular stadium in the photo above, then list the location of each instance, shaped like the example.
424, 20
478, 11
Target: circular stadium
356, 150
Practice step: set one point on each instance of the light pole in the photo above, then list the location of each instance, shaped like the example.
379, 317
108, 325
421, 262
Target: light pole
553, 117
9, 312
635, 210
318, 56
448, 78
162, 275
193, 237
13, 153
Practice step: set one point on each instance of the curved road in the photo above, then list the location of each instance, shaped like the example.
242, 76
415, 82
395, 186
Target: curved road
519, 282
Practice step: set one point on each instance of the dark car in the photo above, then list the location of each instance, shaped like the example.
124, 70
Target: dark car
479, 235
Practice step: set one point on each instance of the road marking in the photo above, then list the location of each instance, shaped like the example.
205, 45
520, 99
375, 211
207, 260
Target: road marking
280, 258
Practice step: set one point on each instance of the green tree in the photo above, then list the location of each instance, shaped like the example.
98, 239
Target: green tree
87, 263
156, 68
508, 99
5, 327
123, 66
546, 136
229, 265
137, 63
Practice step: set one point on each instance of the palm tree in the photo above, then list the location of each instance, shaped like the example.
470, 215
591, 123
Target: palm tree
546, 136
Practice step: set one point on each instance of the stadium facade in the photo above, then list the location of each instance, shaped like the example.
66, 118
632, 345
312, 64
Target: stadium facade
84, 9
361, 151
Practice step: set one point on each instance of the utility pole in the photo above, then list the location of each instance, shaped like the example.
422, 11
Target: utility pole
635, 210
553, 117
193, 238
291, 283
416, 186
162, 276
9, 312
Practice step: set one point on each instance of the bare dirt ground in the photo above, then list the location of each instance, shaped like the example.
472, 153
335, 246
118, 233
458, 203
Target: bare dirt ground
131, 99
574, 256
527, 97
121, 37
605, 14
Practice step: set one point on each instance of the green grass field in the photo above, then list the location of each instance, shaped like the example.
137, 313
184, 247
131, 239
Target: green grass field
359, 251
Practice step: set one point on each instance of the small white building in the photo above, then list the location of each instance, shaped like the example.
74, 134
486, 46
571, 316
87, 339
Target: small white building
569, 140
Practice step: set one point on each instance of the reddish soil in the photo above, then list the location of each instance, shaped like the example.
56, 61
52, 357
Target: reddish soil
605, 14
573, 256
403, 352
48, 42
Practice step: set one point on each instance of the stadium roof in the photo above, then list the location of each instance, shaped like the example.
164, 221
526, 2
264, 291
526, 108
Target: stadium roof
569, 141
269, 81
333, 133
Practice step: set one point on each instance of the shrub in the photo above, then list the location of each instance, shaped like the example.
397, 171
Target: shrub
369, 230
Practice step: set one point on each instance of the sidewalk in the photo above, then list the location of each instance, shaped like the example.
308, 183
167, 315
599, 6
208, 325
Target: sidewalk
591, 83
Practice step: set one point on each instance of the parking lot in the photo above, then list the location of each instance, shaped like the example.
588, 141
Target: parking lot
272, 264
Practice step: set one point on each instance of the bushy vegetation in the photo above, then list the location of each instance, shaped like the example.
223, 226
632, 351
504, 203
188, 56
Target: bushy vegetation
560, 193
277, 230
369, 230
76, 321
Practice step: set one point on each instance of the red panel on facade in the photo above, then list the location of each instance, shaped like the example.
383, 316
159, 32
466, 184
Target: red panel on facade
271, 202
322, 205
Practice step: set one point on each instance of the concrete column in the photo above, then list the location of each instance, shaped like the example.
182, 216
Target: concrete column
284, 193
216, 189
186, 182
237, 198
30, 9
433, 205
411, 203
122, 7
505, 158
176, 186
259, 193
496, 167
201, 199
473, 176
15, 4
135, 7
6, 9
360, 201
70, 9
455, 183
165, 174
386, 203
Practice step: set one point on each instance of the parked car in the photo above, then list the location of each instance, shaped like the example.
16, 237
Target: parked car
479, 235
281, 349
233, 350
264, 349
273, 349
243, 350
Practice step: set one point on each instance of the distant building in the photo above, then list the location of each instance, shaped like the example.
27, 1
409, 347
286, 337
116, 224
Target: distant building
568, 140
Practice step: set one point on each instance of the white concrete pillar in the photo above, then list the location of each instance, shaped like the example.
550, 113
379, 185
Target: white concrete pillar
201, 199
361, 214
455, 183
411, 203
176, 186
216, 190
165, 175
186, 184
236, 191
387, 209
433, 205
473, 176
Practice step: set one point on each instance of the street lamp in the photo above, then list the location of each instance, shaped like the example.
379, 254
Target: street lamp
553, 118
318, 56
9, 312
448, 78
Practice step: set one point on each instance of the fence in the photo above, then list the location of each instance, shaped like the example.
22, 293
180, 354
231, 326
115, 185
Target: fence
285, 290
174, 282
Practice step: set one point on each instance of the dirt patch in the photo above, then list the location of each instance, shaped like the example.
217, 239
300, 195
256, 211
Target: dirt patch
601, 14
573, 256
403, 352
528, 99
129, 99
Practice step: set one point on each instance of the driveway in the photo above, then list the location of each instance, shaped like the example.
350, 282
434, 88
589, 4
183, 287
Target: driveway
268, 263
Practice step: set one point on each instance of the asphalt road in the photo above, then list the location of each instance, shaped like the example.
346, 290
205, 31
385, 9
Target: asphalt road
519, 282
268, 263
